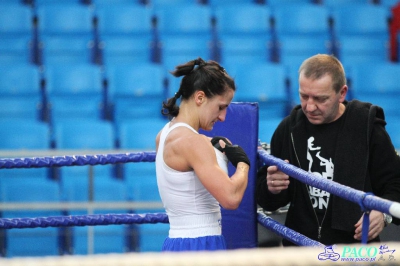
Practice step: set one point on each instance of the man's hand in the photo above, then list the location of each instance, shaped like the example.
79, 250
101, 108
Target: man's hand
276, 180
376, 225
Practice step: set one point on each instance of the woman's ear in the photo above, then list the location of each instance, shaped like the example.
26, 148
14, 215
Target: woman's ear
200, 97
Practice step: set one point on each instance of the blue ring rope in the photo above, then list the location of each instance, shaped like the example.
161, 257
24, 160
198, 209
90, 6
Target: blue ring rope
368, 201
39, 162
286, 232
83, 220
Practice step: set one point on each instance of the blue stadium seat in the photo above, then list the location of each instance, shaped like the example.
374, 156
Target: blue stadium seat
110, 3
377, 83
152, 236
140, 178
84, 134
21, 96
277, 3
244, 49
140, 134
244, 33
59, 50
176, 50
388, 3
191, 19
16, 33
292, 73
16, 19
75, 183
173, 84
306, 33
266, 128
293, 50
142, 186
65, 30
75, 91
358, 49
31, 241
336, 3
160, 3
136, 90
125, 50
186, 29
264, 83
16, 50
22, 135
106, 239
219, 3
63, 2
125, 33
360, 19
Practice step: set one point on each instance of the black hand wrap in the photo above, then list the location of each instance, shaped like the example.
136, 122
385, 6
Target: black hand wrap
236, 154
215, 142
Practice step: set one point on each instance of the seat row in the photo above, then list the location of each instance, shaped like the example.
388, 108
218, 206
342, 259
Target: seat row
133, 182
170, 34
120, 92
30, 186
123, 92
212, 3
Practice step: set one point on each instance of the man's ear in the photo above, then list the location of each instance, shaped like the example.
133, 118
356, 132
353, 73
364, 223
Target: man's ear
343, 92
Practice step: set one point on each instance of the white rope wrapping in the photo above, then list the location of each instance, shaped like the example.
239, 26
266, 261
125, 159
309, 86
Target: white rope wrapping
278, 256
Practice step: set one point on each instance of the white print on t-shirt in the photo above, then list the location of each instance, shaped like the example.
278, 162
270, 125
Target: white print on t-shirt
319, 198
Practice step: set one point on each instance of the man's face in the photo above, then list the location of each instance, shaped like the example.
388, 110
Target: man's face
319, 102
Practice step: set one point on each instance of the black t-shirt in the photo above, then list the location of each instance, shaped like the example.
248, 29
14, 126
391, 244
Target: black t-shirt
321, 158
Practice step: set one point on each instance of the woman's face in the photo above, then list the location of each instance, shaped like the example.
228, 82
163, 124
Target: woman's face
214, 109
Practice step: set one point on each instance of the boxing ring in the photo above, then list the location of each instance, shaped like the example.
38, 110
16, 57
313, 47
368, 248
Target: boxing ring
239, 227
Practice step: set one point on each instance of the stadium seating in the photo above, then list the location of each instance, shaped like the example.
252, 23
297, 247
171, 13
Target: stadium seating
74, 91
244, 33
110, 59
125, 32
21, 95
336, 3
377, 83
183, 32
106, 239
360, 19
277, 3
358, 49
388, 3
136, 90
66, 33
140, 178
16, 33
160, 3
306, 33
31, 241
20, 135
361, 32
176, 50
266, 128
264, 83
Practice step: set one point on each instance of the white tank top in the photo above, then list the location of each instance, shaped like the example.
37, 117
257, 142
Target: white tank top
191, 209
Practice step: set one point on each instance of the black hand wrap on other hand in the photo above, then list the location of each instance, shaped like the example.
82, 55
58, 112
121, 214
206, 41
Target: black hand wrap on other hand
215, 142
236, 154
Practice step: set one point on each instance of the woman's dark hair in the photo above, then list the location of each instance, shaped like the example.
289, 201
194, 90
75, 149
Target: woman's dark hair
209, 77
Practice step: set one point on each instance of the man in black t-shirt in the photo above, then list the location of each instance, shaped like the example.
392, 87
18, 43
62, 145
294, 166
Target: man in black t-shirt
337, 140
